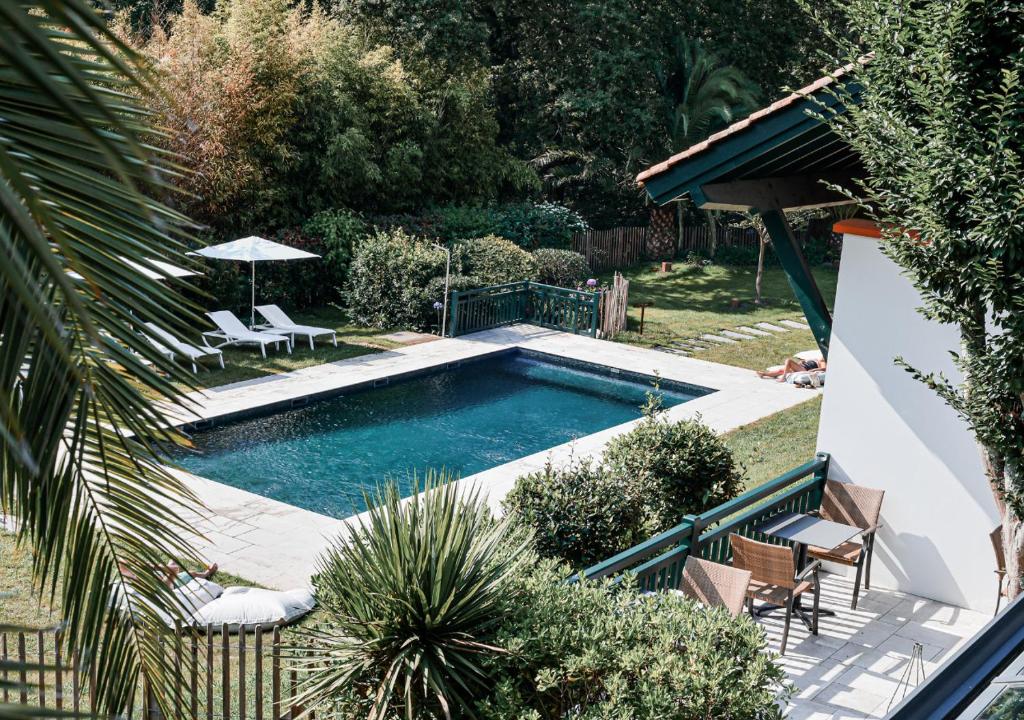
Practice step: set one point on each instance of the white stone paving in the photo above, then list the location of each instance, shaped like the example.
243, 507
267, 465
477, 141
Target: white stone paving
276, 544
853, 668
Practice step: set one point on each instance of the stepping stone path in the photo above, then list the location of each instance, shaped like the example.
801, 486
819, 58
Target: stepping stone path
796, 325
736, 335
718, 339
685, 347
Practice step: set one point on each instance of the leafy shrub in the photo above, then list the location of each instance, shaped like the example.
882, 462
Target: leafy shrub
411, 599
339, 232
591, 651
389, 280
528, 225
461, 222
494, 261
561, 268
540, 225
679, 467
740, 255
581, 514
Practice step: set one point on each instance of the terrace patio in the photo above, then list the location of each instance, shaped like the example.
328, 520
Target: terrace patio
853, 668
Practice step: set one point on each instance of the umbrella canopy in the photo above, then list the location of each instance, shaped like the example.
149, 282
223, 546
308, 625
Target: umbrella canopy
252, 250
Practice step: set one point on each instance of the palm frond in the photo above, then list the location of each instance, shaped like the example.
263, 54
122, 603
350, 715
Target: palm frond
78, 386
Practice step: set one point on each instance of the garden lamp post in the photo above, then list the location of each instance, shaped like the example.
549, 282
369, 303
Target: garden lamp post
447, 275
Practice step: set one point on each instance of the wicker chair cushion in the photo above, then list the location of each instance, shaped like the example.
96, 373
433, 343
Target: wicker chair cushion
773, 593
848, 553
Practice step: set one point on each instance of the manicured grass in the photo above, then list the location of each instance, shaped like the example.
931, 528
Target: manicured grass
245, 363
780, 442
689, 303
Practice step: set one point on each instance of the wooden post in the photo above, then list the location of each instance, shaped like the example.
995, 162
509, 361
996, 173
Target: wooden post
22, 676
41, 652
241, 673
209, 672
259, 672
275, 683
225, 670
194, 672
58, 690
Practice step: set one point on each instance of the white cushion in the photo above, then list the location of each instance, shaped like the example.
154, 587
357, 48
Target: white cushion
245, 608
196, 593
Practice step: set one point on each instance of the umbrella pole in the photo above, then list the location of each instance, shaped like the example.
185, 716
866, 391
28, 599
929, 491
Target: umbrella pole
252, 306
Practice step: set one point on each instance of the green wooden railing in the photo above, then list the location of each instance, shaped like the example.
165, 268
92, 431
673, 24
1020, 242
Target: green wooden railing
658, 562
563, 309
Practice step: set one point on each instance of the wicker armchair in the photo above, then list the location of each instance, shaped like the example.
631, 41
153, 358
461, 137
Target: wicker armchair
996, 536
773, 580
714, 584
858, 506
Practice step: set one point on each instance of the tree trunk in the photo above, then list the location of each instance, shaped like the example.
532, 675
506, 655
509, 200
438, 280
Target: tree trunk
762, 236
713, 229
1003, 479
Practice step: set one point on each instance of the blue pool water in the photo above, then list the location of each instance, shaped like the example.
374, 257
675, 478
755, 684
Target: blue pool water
321, 457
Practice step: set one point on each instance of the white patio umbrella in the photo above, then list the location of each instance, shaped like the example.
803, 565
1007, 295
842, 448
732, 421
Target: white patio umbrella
253, 250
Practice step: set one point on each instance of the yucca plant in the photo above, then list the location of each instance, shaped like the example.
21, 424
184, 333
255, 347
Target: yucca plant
79, 476
411, 598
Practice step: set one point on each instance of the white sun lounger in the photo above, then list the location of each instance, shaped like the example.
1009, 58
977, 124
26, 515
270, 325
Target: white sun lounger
167, 343
278, 321
231, 331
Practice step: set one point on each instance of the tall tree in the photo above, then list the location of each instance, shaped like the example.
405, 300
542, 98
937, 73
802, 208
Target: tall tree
699, 94
78, 471
940, 128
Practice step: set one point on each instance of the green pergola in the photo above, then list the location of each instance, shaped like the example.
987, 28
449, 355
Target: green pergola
780, 158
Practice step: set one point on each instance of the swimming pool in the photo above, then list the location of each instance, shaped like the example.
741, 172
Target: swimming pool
485, 413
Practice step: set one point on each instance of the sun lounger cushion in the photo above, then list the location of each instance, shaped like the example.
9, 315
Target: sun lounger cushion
245, 608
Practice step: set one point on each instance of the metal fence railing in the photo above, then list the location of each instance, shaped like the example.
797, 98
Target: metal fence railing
658, 562
574, 311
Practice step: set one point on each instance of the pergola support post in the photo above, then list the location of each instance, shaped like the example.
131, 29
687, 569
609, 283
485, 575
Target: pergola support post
798, 272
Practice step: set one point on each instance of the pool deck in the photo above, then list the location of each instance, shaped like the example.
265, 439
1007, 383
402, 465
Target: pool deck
276, 544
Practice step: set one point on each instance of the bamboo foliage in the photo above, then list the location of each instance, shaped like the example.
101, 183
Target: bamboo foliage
78, 470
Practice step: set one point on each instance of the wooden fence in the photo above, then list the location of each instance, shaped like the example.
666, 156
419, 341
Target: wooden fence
217, 676
613, 306
612, 249
697, 238
621, 247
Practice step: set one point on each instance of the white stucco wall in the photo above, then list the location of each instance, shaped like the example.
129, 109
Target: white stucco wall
886, 430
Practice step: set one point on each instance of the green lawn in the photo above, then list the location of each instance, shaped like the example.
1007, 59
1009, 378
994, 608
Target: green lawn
689, 303
245, 363
780, 442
